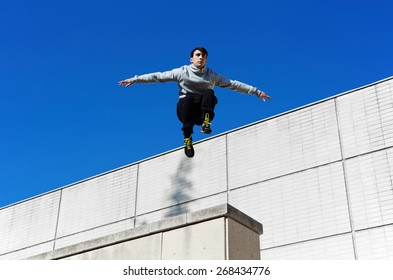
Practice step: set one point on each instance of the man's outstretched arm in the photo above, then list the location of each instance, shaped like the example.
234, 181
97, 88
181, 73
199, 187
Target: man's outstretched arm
224, 82
157, 77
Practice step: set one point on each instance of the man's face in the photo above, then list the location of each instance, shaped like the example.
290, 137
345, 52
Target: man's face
198, 59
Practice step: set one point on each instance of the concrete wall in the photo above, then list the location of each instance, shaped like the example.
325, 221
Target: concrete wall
318, 177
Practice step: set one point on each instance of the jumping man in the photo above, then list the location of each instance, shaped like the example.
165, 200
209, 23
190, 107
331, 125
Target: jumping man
196, 96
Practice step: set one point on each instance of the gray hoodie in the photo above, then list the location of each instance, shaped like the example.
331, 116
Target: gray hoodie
194, 80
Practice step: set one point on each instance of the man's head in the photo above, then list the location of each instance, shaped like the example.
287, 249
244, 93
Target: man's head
199, 57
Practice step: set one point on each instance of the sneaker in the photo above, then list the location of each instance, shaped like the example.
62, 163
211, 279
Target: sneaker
188, 148
206, 125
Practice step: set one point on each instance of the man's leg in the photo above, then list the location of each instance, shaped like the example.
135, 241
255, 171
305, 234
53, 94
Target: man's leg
209, 101
185, 113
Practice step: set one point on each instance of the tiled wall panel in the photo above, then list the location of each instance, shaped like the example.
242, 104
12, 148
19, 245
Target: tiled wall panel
366, 119
29, 223
305, 205
191, 206
289, 143
385, 98
330, 248
376, 243
94, 233
370, 185
28, 252
173, 178
99, 201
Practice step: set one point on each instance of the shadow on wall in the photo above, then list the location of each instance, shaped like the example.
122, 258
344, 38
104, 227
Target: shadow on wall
182, 187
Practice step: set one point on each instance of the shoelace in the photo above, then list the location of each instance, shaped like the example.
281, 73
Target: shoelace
188, 143
207, 120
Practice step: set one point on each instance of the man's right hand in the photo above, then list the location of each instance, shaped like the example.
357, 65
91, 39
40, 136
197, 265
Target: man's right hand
126, 83
263, 96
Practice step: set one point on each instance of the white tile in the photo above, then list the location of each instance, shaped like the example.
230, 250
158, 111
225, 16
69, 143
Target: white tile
28, 252
29, 223
93, 233
330, 248
369, 179
364, 118
376, 243
296, 141
178, 209
293, 206
172, 179
98, 201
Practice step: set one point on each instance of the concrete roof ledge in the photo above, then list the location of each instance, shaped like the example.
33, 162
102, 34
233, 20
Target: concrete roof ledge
224, 210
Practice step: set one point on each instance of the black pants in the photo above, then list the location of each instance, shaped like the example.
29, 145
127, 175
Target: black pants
192, 108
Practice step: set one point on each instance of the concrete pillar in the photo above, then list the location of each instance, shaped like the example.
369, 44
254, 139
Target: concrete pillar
217, 233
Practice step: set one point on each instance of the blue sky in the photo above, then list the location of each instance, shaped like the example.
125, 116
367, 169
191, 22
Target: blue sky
64, 118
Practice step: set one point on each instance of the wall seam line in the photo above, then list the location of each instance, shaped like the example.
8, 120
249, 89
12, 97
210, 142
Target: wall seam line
343, 160
57, 221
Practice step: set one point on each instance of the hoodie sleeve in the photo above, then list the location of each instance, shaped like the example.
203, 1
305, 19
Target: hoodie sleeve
224, 82
158, 77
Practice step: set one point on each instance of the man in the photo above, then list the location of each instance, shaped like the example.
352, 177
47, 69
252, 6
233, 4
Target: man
196, 96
